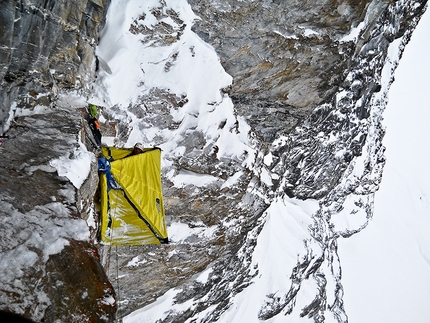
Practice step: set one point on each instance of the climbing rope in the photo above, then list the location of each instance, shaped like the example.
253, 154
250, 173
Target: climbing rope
113, 217
117, 282
117, 265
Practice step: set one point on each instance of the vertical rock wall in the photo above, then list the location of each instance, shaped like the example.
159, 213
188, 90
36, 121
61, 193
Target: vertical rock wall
50, 271
46, 45
288, 61
285, 56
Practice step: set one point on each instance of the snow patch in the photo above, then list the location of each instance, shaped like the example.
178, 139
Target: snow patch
135, 262
278, 246
77, 167
185, 178
179, 232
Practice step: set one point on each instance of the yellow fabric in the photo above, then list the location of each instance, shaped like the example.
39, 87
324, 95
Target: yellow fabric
139, 177
104, 208
116, 153
112, 153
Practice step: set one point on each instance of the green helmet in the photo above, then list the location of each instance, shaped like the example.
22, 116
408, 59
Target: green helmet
92, 109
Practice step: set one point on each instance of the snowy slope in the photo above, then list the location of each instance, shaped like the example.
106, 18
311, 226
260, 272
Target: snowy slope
386, 267
188, 68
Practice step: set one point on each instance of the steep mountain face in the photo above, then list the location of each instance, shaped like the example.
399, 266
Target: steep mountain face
298, 121
310, 80
284, 58
288, 68
50, 271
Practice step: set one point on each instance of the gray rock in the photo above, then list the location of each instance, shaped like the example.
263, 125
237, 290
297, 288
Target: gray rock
45, 45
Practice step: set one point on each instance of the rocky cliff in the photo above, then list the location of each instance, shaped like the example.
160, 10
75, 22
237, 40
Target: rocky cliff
307, 96
45, 46
50, 271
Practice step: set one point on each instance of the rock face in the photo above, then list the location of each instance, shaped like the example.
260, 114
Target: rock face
318, 91
50, 271
285, 58
44, 46
306, 78
92, 297
287, 65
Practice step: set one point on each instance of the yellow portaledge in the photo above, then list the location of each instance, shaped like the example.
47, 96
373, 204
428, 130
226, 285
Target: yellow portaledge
132, 211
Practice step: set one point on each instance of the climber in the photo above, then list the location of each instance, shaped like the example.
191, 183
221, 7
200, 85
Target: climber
94, 123
137, 149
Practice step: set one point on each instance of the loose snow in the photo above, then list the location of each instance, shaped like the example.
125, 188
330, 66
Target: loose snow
76, 167
195, 70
